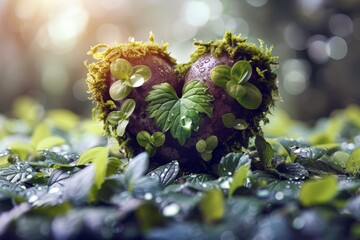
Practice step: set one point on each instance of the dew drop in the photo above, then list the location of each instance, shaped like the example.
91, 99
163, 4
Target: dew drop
230, 173
202, 70
33, 198
148, 196
171, 210
225, 185
54, 190
207, 60
263, 193
279, 196
186, 122
298, 223
204, 185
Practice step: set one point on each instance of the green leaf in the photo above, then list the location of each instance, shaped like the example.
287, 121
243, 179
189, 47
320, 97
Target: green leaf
113, 117
201, 146
211, 142
136, 168
235, 89
231, 162
78, 187
143, 138
98, 156
239, 179
353, 163
120, 130
241, 71
179, 115
165, 174
206, 156
158, 139
113, 165
119, 90
18, 172
128, 107
252, 98
41, 132
341, 158
240, 124
318, 191
50, 142
228, 120
220, 75
121, 69
212, 206
265, 151
136, 80
142, 70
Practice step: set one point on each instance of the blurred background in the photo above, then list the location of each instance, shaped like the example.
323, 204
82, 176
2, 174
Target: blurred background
44, 43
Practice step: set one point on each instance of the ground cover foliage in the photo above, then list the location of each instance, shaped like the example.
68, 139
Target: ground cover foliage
60, 178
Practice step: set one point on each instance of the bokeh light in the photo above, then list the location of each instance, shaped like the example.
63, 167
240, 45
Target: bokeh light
44, 44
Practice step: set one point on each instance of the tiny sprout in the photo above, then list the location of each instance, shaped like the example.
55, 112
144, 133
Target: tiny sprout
235, 81
206, 147
150, 142
120, 119
128, 77
230, 121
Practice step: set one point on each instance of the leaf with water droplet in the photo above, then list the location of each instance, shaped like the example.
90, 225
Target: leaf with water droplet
18, 172
294, 171
165, 174
239, 179
186, 111
231, 162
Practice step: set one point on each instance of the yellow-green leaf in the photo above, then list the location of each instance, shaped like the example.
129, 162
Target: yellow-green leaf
50, 142
239, 179
22, 149
212, 206
98, 156
41, 132
318, 191
63, 119
353, 163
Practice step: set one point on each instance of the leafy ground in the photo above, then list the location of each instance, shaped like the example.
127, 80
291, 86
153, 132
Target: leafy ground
61, 179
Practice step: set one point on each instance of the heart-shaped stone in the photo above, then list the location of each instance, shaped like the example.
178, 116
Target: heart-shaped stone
194, 112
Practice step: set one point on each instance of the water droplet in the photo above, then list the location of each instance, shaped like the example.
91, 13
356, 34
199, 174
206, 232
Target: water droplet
29, 176
225, 185
202, 70
162, 175
207, 60
171, 210
148, 196
296, 178
263, 193
33, 198
230, 173
204, 185
186, 122
166, 169
298, 223
279, 196
54, 190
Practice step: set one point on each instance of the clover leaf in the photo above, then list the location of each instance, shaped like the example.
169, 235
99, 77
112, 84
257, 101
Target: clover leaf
120, 119
235, 81
206, 147
150, 142
128, 77
179, 115
230, 121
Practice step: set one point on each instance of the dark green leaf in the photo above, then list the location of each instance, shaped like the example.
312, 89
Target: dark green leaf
166, 174
252, 98
231, 162
18, 172
220, 75
292, 171
241, 71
